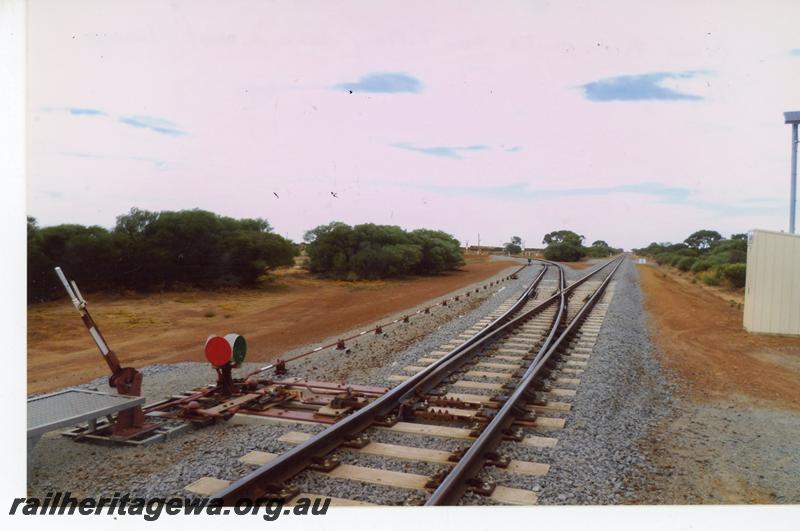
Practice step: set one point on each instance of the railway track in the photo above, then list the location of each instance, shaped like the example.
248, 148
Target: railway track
458, 417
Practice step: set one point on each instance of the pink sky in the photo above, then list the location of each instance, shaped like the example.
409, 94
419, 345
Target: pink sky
216, 105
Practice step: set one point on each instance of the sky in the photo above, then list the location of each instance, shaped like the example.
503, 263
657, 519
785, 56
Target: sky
626, 121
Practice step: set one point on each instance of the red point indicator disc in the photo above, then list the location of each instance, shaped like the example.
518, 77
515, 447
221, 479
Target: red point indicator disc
218, 351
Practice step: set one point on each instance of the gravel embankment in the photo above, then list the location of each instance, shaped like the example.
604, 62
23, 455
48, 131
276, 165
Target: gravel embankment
622, 394
736, 451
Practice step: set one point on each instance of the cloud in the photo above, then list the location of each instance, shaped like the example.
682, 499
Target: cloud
77, 111
52, 194
155, 162
158, 125
451, 152
384, 82
81, 155
732, 209
639, 87
524, 191
666, 195
514, 149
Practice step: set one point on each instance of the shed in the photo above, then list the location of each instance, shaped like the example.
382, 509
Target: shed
772, 288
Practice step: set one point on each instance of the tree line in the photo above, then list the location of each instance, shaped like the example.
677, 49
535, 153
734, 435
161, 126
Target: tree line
567, 246
714, 259
370, 251
156, 251
148, 251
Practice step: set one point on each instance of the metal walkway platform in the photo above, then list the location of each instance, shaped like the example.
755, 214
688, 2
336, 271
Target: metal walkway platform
69, 408
73, 406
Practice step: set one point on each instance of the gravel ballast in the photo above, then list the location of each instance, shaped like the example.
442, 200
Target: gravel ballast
621, 395
164, 469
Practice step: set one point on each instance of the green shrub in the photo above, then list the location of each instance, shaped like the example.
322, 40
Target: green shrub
734, 274
662, 258
730, 251
686, 251
566, 245
372, 262
686, 263
372, 251
154, 250
598, 251
440, 251
714, 259
701, 265
563, 252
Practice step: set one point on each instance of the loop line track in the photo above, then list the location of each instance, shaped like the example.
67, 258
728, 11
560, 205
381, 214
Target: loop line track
272, 476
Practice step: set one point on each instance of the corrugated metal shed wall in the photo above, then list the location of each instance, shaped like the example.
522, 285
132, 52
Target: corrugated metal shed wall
772, 291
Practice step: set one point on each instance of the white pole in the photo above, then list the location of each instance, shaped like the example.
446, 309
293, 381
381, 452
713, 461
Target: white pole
70, 293
793, 195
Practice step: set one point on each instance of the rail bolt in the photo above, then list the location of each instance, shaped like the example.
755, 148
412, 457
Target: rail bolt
388, 420
435, 480
340, 345
479, 486
281, 491
357, 441
456, 455
498, 460
414, 500
513, 434
324, 464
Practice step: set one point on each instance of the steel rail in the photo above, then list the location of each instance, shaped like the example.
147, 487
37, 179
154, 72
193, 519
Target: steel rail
449, 363
376, 328
457, 481
288, 464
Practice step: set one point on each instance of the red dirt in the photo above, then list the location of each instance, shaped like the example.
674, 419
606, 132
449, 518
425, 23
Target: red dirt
702, 339
171, 327
726, 293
